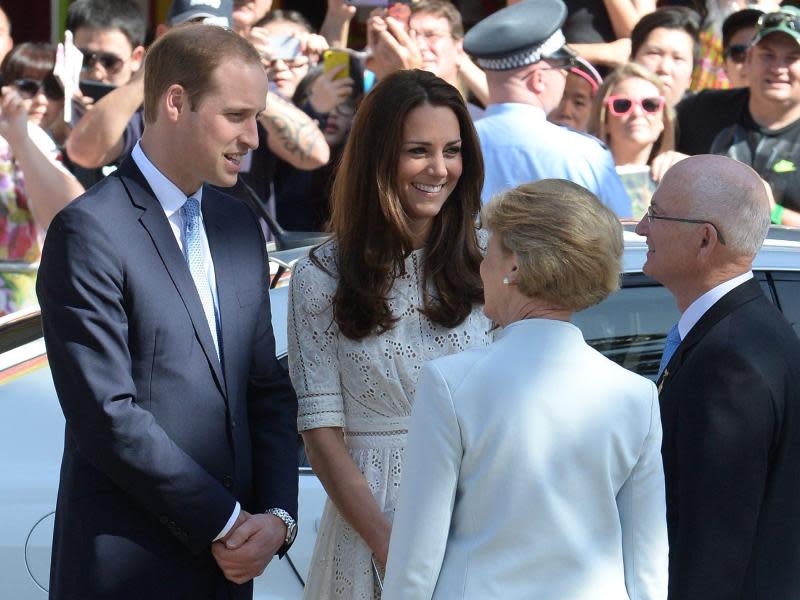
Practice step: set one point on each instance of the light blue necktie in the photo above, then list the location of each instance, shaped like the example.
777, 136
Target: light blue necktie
195, 257
671, 344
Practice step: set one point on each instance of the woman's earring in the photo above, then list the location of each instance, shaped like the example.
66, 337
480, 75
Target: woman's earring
506, 281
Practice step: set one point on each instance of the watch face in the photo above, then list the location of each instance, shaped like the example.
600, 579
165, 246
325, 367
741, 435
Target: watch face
291, 533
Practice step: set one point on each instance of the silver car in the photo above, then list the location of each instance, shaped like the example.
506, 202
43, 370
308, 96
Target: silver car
629, 327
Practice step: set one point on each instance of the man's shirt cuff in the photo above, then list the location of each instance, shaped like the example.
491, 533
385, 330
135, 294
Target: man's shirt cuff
236, 510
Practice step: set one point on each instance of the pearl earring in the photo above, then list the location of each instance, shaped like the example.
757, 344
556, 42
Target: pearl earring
506, 281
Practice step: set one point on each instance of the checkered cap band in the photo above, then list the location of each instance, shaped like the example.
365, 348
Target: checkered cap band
527, 57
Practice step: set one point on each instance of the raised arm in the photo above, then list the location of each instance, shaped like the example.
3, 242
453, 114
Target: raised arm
336, 26
293, 136
624, 14
97, 138
48, 185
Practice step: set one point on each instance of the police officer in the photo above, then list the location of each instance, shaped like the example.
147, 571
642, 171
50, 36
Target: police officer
521, 48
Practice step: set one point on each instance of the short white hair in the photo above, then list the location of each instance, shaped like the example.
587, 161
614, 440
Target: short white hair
736, 201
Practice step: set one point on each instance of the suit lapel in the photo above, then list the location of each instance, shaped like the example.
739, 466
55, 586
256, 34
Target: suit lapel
155, 222
215, 220
746, 292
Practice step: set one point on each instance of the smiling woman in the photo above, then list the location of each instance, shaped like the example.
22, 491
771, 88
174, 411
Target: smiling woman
397, 285
631, 115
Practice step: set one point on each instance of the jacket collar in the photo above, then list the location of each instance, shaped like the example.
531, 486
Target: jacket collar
155, 222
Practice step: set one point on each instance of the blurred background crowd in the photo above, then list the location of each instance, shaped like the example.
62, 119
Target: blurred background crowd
653, 80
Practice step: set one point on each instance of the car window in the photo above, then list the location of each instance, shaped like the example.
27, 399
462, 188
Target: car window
787, 287
630, 326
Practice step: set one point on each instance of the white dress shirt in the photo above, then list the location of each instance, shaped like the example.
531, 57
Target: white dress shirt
701, 306
172, 200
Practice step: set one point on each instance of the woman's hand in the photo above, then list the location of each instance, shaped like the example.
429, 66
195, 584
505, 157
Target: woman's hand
312, 45
662, 163
259, 37
327, 92
13, 116
347, 488
393, 49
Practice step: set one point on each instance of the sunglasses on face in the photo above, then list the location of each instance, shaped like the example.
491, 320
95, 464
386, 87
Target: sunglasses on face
736, 52
619, 106
30, 88
110, 62
776, 19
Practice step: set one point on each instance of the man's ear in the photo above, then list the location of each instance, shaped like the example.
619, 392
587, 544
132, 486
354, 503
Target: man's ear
137, 56
175, 101
709, 243
535, 82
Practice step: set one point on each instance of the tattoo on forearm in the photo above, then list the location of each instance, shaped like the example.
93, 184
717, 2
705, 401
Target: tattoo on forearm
298, 136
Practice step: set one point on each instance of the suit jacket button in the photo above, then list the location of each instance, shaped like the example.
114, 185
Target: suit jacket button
227, 481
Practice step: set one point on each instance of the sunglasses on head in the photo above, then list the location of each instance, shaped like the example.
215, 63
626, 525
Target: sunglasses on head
109, 61
736, 52
776, 19
30, 88
619, 106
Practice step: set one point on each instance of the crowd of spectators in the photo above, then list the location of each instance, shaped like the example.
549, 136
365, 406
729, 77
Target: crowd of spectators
653, 81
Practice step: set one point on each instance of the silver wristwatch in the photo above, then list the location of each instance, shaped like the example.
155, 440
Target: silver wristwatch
291, 525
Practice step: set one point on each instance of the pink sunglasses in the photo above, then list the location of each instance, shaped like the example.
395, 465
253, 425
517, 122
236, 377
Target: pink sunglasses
622, 105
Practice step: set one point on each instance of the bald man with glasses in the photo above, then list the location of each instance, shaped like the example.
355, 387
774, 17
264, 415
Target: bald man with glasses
729, 389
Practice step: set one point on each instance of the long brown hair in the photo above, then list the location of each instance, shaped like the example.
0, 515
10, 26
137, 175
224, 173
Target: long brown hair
372, 229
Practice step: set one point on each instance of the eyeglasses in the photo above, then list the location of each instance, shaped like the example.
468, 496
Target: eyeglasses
297, 62
776, 19
652, 217
30, 88
622, 105
737, 53
109, 61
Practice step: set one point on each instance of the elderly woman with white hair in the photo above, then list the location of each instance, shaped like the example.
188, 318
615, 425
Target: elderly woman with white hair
533, 466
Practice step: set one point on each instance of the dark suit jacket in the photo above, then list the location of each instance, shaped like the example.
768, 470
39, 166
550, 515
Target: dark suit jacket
730, 407
159, 444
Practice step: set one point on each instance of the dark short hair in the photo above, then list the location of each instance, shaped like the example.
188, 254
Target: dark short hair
108, 14
188, 55
668, 17
290, 16
741, 19
444, 9
28, 60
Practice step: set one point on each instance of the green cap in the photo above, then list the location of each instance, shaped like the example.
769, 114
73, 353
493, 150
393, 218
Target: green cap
786, 20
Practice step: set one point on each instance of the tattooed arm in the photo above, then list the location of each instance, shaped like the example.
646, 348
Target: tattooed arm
292, 135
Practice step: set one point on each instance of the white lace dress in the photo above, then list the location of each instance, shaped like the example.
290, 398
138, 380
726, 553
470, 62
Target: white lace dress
367, 388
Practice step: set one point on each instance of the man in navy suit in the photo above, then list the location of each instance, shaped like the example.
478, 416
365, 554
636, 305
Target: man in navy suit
729, 394
179, 474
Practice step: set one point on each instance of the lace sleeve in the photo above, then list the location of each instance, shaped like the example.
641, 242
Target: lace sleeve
313, 344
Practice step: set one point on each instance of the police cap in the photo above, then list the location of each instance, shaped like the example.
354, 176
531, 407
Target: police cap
519, 35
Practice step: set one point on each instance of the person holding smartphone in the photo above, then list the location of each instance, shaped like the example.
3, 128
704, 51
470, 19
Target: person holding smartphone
34, 185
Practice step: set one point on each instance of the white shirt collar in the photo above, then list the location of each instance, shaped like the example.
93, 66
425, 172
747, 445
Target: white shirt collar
701, 306
168, 194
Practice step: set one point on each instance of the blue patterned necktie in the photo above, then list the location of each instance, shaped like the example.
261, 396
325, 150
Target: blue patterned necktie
671, 344
195, 257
